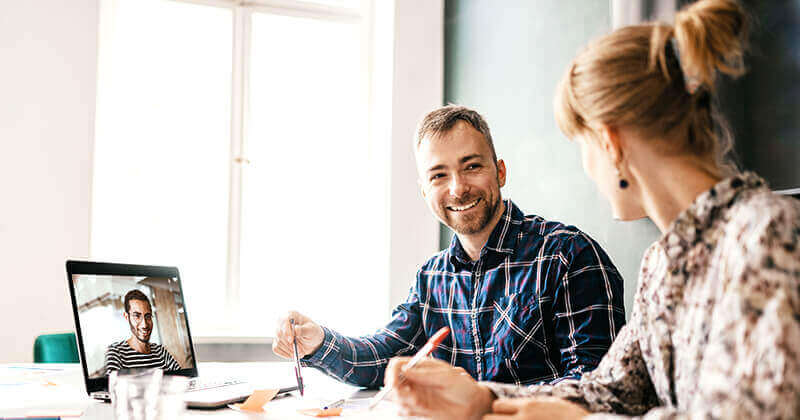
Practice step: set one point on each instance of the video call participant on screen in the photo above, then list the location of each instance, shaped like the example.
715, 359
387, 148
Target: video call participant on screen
137, 351
527, 300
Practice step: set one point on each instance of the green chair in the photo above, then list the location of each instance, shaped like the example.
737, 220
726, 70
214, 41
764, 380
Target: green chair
55, 348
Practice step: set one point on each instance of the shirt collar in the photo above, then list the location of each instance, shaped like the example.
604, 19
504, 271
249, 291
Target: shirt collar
701, 214
503, 239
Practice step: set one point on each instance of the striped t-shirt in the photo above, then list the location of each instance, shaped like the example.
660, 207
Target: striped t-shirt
122, 356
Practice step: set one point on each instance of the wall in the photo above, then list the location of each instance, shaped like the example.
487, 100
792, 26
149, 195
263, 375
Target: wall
417, 87
505, 62
763, 106
48, 51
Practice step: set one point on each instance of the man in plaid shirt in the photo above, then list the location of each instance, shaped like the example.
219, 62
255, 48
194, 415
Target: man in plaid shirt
527, 300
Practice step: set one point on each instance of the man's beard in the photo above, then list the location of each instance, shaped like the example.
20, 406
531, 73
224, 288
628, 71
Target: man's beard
478, 221
141, 336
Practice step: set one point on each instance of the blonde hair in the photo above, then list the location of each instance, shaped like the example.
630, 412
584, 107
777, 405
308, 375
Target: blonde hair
659, 78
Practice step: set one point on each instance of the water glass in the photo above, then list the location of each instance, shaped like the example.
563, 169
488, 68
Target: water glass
147, 395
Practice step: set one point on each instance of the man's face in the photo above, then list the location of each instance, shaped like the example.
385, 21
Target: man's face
459, 178
140, 317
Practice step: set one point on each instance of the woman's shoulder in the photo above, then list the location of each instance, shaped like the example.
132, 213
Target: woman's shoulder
762, 244
763, 220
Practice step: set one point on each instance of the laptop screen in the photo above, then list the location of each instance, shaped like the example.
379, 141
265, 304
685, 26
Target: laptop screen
131, 321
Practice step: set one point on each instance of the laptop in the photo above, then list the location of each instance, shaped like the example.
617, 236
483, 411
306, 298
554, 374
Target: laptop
134, 316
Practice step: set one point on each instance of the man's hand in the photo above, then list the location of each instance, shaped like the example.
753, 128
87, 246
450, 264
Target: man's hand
436, 390
548, 408
309, 336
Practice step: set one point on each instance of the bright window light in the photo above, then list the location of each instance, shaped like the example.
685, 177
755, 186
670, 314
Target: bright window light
161, 162
304, 226
309, 217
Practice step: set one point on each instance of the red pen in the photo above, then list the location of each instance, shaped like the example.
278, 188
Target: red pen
424, 352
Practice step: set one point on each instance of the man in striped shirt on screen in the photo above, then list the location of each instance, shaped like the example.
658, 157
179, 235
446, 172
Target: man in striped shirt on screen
137, 351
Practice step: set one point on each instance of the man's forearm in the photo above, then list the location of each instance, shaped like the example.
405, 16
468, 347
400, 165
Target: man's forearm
358, 361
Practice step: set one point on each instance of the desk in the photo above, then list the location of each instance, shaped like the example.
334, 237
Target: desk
261, 375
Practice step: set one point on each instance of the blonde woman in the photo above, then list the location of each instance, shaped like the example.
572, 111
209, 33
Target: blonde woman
715, 327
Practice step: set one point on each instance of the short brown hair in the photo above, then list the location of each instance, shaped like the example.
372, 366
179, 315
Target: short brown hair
443, 119
135, 294
659, 78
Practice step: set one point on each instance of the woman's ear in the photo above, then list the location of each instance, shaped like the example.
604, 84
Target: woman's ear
611, 143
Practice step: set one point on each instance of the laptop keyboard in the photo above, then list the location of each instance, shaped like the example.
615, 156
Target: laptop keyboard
197, 384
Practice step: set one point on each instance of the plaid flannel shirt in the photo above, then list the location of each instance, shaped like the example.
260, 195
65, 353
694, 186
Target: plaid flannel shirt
542, 302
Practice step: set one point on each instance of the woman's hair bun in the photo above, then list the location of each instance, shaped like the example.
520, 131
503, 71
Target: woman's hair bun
711, 37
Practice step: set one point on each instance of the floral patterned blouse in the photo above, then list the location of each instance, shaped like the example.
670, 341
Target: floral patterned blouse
715, 328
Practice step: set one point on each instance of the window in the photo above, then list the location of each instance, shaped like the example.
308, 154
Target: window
232, 140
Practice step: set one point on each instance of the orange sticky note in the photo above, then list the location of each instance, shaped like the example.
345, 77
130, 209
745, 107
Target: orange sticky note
255, 402
318, 412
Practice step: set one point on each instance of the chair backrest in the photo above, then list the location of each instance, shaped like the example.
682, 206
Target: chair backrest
55, 348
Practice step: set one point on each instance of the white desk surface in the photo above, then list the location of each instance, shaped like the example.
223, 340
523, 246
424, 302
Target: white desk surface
69, 391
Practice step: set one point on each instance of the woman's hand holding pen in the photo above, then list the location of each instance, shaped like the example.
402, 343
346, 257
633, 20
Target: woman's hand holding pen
309, 336
436, 390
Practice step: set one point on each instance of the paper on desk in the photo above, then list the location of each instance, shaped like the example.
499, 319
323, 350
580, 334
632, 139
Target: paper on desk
26, 375
322, 412
28, 399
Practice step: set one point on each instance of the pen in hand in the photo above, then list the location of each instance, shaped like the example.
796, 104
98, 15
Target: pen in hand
296, 359
426, 350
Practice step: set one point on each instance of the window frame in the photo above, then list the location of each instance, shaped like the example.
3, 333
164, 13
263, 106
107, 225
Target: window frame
242, 12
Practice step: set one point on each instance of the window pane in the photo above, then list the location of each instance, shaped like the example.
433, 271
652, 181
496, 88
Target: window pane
312, 223
162, 148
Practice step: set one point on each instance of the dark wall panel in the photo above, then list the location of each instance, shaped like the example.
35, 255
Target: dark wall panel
763, 106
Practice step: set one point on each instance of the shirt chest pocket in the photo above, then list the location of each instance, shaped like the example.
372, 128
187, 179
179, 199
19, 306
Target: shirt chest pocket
514, 321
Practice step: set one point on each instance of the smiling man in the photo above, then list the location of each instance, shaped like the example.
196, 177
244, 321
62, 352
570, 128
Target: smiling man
137, 351
527, 300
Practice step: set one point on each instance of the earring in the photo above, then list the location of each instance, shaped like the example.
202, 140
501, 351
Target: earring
623, 183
